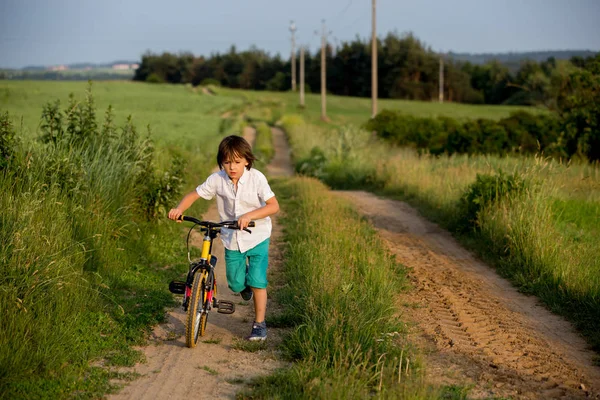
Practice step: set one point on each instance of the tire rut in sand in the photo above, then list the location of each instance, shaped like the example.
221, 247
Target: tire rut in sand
477, 329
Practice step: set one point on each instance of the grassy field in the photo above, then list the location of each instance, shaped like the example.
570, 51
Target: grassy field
356, 111
76, 242
544, 238
84, 256
176, 114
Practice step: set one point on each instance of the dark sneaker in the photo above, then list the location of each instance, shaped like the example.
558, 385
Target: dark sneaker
247, 293
259, 332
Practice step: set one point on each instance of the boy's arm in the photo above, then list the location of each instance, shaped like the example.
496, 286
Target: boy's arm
183, 205
271, 207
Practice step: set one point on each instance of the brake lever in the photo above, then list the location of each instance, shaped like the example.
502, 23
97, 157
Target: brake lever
247, 230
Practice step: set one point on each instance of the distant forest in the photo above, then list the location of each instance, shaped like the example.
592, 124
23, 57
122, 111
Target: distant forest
407, 69
515, 58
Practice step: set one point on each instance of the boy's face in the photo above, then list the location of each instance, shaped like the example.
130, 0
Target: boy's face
234, 167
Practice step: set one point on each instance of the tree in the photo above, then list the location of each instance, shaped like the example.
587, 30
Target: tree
579, 107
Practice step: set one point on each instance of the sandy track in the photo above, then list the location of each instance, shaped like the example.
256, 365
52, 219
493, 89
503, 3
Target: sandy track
474, 326
214, 369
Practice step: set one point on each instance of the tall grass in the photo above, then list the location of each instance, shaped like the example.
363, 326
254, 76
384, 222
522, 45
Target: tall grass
263, 144
341, 289
544, 240
82, 270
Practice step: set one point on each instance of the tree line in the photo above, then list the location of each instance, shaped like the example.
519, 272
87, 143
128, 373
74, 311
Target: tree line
571, 130
407, 69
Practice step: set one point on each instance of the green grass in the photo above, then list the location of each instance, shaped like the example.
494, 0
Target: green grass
105, 274
546, 241
83, 277
210, 370
176, 114
356, 111
340, 292
263, 145
247, 346
578, 220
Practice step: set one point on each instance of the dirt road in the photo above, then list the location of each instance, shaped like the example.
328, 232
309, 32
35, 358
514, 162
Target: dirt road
214, 369
474, 327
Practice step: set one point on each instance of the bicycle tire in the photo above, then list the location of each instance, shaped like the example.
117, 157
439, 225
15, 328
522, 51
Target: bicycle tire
197, 314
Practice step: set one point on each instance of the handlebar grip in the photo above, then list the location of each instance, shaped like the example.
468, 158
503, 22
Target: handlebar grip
252, 224
189, 219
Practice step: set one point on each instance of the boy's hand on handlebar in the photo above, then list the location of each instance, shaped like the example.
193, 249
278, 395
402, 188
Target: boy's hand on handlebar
243, 222
175, 214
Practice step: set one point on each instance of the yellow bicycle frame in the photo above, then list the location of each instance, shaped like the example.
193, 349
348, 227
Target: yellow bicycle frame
206, 248
206, 245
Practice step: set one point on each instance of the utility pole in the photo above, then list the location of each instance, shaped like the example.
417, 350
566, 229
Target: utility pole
441, 95
323, 74
302, 76
373, 62
293, 30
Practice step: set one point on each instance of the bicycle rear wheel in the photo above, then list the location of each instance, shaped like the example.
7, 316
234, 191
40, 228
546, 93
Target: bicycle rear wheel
197, 313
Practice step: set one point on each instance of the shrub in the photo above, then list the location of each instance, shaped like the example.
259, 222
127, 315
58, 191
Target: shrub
8, 141
493, 137
278, 83
76, 140
154, 78
521, 132
486, 190
529, 133
314, 164
161, 191
210, 82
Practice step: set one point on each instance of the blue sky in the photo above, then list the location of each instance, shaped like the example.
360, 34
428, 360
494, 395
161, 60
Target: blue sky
49, 32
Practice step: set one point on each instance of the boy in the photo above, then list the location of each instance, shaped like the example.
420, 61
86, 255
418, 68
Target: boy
243, 194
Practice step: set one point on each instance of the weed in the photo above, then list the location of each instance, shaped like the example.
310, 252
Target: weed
248, 346
213, 341
209, 370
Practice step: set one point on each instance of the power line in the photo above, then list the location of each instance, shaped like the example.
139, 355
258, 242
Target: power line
345, 9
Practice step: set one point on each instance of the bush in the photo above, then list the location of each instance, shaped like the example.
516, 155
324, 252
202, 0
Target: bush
314, 164
486, 190
521, 132
8, 141
278, 83
493, 137
210, 82
529, 133
160, 191
154, 78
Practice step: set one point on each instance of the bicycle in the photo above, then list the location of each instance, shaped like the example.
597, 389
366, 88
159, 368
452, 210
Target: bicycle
200, 287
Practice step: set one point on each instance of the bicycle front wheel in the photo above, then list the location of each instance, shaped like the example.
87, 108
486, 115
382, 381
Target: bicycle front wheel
197, 313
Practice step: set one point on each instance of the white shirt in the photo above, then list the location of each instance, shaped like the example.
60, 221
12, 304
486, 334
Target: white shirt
252, 193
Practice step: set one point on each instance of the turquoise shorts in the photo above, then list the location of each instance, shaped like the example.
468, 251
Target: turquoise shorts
256, 275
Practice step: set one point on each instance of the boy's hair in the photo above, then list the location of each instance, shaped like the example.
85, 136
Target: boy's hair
235, 146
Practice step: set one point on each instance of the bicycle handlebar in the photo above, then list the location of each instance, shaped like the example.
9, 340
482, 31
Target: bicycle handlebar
210, 225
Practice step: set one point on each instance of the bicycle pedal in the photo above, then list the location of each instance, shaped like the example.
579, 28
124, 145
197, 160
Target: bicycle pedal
177, 287
226, 307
